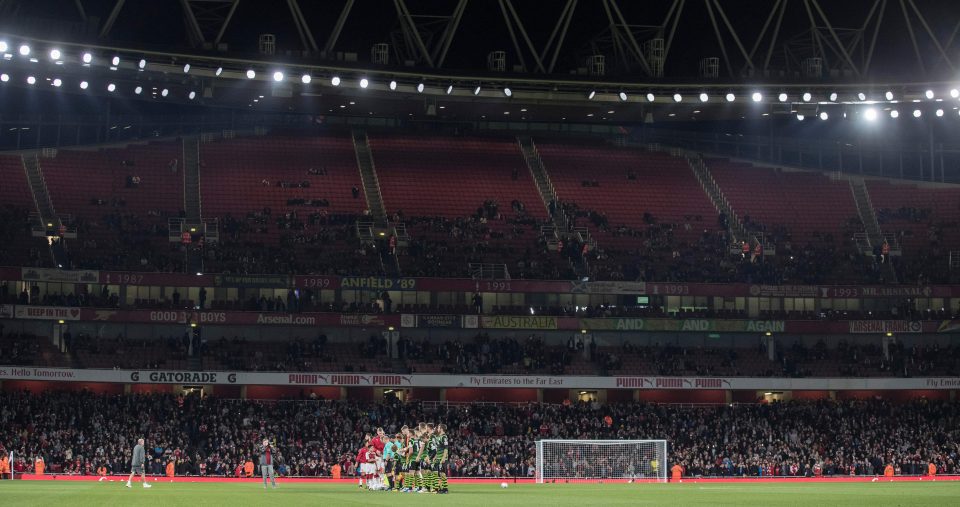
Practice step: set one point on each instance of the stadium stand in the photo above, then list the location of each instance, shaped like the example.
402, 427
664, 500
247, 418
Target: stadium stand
924, 220
457, 172
809, 218
121, 199
625, 184
485, 354
811, 207
214, 437
453, 194
285, 204
646, 210
16, 203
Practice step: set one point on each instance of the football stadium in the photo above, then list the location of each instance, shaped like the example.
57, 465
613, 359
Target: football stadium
480, 252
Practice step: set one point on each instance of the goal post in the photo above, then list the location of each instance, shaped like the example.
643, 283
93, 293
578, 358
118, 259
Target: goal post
597, 460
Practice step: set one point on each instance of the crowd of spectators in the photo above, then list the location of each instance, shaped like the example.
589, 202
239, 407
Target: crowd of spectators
485, 354
80, 432
445, 247
309, 240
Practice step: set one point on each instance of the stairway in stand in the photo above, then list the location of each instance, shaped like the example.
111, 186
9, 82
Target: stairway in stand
560, 229
376, 228
46, 218
368, 175
874, 235
191, 200
710, 187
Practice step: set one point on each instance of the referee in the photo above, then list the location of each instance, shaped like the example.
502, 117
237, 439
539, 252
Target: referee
266, 464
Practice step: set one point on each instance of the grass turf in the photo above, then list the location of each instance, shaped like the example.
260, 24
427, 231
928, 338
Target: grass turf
45, 493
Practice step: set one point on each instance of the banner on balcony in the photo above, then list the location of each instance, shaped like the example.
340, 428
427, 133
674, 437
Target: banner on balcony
534, 322
439, 321
684, 325
58, 275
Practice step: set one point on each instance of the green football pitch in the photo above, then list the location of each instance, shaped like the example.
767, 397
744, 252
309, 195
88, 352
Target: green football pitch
113, 494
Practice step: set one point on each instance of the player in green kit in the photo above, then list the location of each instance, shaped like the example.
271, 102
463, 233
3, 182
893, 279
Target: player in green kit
439, 463
404, 459
434, 477
416, 446
420, 459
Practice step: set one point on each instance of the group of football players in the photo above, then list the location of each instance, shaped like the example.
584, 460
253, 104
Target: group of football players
413, 460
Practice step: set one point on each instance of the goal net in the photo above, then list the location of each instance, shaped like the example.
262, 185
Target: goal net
594, 460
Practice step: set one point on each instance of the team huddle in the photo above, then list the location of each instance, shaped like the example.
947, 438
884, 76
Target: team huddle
413, 460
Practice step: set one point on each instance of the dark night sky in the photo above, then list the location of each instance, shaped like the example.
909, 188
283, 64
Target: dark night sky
159, 24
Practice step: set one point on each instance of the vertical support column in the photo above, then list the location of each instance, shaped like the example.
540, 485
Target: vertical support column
443, 394
243, 392
539, 395
728, 396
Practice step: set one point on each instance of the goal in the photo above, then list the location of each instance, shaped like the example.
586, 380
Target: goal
595, 460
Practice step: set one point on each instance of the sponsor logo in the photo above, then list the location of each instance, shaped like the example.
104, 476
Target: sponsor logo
448, 321
361, 320
638, 382
6, 311
671, 383
186, 377
306, 378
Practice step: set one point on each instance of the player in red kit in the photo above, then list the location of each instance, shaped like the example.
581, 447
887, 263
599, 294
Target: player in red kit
362, 466
378, 445
373, 481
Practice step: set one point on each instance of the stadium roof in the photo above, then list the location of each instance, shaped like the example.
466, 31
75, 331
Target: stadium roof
562, 59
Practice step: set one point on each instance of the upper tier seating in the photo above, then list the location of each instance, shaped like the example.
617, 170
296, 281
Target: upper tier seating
94, 186
273, 190
456, 175
913, 210
805, 203
16, 203
242, 175
664, 187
